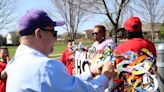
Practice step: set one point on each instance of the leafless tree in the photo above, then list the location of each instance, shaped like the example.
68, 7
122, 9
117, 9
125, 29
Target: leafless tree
111, 8
152, 12
7, 12
72, 13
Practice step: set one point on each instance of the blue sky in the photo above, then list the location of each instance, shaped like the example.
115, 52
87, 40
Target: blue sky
24, 5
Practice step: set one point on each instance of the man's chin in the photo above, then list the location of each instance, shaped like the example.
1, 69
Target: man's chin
94, 39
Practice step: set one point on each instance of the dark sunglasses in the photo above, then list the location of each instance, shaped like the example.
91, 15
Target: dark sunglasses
95, 33
53, 31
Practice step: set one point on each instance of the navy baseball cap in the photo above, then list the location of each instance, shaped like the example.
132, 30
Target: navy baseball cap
34, 19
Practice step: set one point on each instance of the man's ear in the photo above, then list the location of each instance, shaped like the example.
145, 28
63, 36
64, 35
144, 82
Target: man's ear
38, 33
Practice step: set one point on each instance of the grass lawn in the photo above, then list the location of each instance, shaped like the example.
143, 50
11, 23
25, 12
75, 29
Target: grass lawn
12, 50
58, 48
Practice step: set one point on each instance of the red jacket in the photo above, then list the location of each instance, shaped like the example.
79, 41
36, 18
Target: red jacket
68, 60
135, 45
2, 81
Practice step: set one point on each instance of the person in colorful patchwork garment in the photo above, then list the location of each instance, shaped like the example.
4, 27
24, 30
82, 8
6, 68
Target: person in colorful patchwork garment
135, 60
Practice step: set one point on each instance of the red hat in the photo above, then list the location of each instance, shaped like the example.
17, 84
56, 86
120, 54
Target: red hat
133, 24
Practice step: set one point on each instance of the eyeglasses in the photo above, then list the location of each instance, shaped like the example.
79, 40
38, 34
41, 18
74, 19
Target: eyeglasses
95, 33
53, 31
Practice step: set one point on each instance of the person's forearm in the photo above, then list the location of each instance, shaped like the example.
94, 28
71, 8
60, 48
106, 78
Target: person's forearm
3, 74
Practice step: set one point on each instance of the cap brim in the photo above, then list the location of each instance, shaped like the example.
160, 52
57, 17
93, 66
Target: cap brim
59, 23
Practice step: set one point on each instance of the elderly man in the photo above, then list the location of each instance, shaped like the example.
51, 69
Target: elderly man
30, 70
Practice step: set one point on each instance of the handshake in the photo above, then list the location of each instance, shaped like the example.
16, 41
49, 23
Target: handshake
105, 68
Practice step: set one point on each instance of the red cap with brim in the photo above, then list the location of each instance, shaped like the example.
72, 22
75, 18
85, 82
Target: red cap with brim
133, 24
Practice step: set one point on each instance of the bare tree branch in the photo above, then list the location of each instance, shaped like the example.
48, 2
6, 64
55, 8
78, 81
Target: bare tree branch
7, 9
107, 13
94, 7
119, 5
71, 11
152, 12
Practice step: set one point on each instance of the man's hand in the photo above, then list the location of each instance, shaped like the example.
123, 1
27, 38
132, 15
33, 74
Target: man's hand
108, 70
96, 69
3, 74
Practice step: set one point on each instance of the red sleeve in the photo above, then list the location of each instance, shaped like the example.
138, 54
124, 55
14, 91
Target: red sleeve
2, 66
65, 56
62, 58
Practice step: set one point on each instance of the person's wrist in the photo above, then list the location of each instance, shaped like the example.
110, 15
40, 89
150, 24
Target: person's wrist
93, 74
94, 71
107, 74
